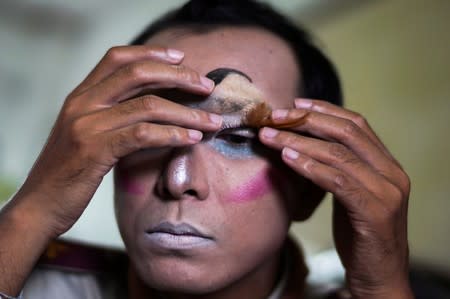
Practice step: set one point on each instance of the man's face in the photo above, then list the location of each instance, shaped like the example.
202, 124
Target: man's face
232, 193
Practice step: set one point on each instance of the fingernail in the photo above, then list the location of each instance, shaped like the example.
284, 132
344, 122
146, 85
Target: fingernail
215, 118
279, 114
195, 135
303, 103
290, 153
206, 82
175, 54
269, 132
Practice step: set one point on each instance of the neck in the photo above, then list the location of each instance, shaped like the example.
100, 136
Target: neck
259, 283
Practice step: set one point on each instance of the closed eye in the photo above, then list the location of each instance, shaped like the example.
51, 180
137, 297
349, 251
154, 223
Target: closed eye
239, 136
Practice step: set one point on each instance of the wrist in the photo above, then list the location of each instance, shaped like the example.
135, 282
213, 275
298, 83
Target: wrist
23, 238
31, 216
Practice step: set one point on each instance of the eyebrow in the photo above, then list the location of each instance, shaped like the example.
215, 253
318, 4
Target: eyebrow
219, 74
228, 106
225, 105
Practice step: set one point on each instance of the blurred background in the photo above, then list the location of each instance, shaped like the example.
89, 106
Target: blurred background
392, 56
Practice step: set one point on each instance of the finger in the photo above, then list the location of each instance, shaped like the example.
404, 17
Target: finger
343, 131
329, 153
328, 108
152, 108
346, 190
133, 78
120, 56
139, 136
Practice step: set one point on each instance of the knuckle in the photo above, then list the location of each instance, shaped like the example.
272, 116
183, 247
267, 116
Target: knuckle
140, 133
341, 154
136, 71
114, 54
341, 182
402, 182
360, 120
76, 129
310, 165
396, 194
288, 139
69, 109
77, 137
351, 130
391, 202
186, 74
405, 184
174, 135
148, 103
195, 115
394, 205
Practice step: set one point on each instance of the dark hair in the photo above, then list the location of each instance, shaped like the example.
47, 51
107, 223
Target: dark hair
319, 77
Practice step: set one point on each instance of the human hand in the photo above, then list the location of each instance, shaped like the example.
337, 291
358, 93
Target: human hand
345, 157
104, 119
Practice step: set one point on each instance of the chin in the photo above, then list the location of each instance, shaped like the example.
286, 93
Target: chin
176, 275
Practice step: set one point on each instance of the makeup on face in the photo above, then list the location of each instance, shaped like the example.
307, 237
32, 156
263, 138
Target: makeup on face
130, 186
252, 189
244, 111
242, 107
233, 96
235, 143
169, 237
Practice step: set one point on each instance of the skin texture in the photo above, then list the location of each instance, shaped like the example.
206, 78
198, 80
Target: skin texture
182, 187
370, 193
118, 116
254, 188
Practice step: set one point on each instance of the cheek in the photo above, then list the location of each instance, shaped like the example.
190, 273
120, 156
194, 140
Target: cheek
264, 182
136, 172
130, 185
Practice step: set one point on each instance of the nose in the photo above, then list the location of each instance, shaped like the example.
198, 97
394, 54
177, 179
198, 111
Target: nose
184, 175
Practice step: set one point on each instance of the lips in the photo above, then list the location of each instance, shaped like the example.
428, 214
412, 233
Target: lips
182, 229
168, 236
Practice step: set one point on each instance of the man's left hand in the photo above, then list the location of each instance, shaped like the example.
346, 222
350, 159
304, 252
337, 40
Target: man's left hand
345, 157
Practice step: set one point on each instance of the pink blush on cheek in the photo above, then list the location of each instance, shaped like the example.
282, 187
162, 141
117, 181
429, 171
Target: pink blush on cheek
254, 188
126, 184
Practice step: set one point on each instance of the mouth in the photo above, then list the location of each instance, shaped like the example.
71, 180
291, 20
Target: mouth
176, 236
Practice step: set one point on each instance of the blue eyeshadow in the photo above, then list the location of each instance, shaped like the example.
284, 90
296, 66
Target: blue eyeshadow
234, 142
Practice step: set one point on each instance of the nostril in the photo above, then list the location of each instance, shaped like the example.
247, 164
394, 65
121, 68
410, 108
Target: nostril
165, 192
190, 192
167, 195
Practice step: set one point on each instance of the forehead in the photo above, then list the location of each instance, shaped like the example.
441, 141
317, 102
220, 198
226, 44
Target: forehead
265, 58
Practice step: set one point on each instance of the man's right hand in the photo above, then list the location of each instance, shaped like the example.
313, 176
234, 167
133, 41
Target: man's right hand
102, 120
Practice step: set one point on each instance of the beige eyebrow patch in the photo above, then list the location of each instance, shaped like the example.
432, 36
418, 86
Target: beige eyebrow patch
232, 95
238, 88
236, 95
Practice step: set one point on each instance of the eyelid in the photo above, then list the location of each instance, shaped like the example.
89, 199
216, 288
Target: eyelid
242, 131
